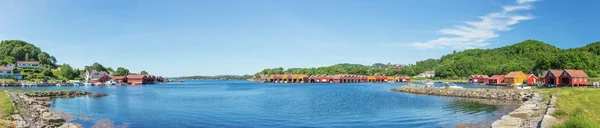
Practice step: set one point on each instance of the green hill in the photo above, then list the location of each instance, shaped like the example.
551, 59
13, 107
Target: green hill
530, 56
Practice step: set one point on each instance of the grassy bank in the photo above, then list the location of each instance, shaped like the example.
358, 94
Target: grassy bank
577, 107
6, 108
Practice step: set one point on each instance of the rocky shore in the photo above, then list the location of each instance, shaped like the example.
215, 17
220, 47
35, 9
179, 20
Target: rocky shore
33, 108
480, 93
529, 115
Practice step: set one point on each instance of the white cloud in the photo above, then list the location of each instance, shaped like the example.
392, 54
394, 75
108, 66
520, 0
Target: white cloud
525, 1
474, 34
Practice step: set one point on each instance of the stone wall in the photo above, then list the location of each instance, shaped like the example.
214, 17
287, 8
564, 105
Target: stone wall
480, 93
33, 108
528, 115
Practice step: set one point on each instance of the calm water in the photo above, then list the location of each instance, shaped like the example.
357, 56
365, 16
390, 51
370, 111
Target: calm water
246, 104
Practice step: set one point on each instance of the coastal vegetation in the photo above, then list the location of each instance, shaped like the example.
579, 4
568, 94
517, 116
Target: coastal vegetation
577, 107
530, 56
12, 51
6, 108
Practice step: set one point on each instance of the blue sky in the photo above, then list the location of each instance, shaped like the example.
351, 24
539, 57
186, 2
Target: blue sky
212, 37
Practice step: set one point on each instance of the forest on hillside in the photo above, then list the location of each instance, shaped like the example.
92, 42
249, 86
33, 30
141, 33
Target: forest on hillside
530, 56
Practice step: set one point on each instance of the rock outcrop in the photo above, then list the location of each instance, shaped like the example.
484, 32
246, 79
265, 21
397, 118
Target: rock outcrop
480, 93
34, 112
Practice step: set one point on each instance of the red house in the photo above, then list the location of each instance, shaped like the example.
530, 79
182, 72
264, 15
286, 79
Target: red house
532, 79
405, 79
345, 78
496, 79
573, 77
483, 78
364, 78
326, 79
276, 78
474, 79
336, 78
313, 78
120, 79
137, 79
552, 76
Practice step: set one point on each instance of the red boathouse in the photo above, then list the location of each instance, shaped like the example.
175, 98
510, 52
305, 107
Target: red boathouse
532, 79
552, 76
573, 77
496, 79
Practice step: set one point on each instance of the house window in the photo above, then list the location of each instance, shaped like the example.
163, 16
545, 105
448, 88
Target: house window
8, 72
584, 79
34, 65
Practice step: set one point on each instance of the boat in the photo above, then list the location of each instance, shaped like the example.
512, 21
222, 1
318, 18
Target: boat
87, 84
109, 83
523, 87
450, 85
97, 84
428, 84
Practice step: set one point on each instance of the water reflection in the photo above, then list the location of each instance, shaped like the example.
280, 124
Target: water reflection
470, 106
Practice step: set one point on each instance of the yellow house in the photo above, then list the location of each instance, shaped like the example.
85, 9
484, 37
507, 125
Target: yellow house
515, 78
301, 78
371, 78
390, 78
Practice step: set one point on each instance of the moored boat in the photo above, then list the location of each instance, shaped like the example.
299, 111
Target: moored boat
450, 85
428, 84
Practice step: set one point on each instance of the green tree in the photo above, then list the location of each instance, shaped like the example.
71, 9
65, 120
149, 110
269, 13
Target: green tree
143, 72
109, 69
27, 57
96, 66
67, 72
47, 73
122, 71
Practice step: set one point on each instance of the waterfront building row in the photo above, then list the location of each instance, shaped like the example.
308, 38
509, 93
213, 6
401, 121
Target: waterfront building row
551, 77
101, 77
323, 78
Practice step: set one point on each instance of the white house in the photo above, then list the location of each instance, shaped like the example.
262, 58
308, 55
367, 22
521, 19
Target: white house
426, 74
28, 64
95, 76
8, 72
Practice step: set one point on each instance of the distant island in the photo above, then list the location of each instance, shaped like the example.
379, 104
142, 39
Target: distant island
217, 77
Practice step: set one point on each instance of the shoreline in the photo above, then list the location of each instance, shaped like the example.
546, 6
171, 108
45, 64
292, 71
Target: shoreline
32, 108
529, 114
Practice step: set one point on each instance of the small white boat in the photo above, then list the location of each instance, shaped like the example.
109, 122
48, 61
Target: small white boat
87, 84
523, 87
109, 83
97, 84
428, 84
450, 85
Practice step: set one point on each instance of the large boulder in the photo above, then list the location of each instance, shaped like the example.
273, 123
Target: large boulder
522, 114
549, 121
507, 122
